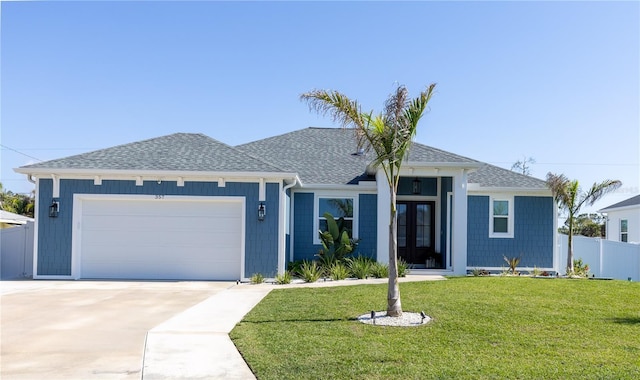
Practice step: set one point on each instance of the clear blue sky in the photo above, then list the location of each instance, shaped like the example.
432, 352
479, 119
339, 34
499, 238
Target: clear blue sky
556, 81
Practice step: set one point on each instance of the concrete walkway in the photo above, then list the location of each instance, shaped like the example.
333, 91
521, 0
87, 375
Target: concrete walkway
195, 344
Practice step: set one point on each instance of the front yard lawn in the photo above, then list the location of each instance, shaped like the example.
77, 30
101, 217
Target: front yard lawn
482, 327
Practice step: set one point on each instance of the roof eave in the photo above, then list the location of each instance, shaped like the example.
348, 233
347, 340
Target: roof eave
47, 172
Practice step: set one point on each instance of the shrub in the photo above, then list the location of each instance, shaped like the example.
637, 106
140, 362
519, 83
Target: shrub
535, 271
478, 272
403, 268
513, 263
294, 266
379, 270
580, 269
310, 271
284, 278
257, 278
360, 266
338, 271
336, 242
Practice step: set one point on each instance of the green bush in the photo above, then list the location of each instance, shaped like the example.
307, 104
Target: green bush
338, 271
257, 278
284, 278
403, 268
379, 270
580, 269
310, 271
360, 266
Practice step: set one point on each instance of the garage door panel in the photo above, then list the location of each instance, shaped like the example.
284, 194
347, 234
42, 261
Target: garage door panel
161, 240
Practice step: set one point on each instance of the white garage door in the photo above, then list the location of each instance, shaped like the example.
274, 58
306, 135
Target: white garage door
161, 239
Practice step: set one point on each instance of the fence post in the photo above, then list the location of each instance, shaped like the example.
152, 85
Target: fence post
600, 253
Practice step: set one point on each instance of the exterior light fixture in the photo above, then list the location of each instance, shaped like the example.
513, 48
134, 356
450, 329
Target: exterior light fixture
417, 186
54, 209
261, 211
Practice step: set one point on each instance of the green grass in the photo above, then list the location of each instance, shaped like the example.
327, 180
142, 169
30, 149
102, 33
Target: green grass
482, 328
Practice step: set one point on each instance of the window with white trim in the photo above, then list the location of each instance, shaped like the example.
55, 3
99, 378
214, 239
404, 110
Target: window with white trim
339, 207
501, 217
624, 230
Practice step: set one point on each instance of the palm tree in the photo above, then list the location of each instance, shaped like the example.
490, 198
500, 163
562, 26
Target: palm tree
571, 198
389, 134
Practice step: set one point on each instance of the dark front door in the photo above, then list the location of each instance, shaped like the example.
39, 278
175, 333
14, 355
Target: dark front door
416, 230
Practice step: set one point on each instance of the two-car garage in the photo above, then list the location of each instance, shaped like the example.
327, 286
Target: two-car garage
158, 237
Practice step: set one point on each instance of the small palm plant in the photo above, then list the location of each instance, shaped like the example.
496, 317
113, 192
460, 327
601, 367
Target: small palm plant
513, 263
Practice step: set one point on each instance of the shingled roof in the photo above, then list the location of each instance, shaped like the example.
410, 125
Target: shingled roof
328, 156
318, 155
633, 201
191, 152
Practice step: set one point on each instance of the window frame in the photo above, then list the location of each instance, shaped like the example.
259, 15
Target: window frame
624, 235
510, 216
317, 216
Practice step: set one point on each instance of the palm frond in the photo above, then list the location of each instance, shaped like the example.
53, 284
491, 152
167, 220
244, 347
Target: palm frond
598, 190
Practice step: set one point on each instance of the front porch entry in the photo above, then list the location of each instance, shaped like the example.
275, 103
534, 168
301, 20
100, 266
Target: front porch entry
416, 234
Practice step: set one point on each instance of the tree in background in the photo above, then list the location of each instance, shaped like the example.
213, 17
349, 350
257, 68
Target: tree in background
21, 204
571, 198
389, 134
590, 225
524, 166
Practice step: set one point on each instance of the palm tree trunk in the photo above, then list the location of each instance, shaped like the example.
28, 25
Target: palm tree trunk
570, 246
394, 307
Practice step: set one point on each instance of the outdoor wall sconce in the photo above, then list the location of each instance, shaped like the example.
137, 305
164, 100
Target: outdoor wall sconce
261, 211
54, 209
417, 186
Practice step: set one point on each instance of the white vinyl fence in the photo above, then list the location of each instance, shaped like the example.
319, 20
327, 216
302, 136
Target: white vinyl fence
16, 251
606, 258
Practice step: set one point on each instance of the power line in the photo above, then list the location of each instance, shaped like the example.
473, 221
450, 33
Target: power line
19, 152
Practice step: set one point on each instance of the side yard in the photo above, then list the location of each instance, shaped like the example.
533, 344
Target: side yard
483, 327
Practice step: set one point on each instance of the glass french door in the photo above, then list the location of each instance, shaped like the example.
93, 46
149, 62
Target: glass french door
416, 231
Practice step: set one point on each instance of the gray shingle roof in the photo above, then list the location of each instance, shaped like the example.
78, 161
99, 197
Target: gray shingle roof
317, 155
176, 152
633, 201
490, 176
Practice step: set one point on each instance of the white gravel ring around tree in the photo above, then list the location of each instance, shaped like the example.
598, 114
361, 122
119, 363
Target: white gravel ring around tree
406, 320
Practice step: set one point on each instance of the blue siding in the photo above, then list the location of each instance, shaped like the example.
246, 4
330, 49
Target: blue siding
303, 247
532, 239
54, 234
429, 186
368, 229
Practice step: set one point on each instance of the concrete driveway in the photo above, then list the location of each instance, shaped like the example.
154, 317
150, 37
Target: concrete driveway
87, 329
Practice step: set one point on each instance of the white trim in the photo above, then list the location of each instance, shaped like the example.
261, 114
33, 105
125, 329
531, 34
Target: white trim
362, 187
55, 191
262, 193
221, 182
130, 173
180, 182
510, 216
335, 195
502, 269
448, 229
475, 189
36, 215
139, 181
76, 231
97, 180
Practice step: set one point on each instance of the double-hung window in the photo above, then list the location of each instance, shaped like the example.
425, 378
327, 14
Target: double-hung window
501, 217
338, 207
624, 230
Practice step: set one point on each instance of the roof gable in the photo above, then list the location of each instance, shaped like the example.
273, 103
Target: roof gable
176, 152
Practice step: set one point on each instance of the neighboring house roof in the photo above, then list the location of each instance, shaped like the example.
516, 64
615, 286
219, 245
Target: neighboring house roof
191, 152
319, 156
633, 201
11, 218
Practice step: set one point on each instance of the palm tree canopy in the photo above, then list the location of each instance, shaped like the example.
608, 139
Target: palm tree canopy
389, 134
569, 195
